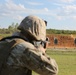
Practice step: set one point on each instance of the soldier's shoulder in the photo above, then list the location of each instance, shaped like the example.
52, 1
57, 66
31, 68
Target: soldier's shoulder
24, 43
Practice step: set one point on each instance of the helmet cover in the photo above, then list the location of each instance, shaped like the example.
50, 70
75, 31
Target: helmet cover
35, 26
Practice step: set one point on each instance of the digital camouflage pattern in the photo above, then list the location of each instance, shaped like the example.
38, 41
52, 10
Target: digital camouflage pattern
35, 26
25, 57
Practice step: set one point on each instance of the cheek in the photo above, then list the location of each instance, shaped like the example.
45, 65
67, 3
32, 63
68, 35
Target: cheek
46, 45
42, 49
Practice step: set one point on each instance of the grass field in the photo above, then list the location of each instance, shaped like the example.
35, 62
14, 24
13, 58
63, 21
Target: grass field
66, 61
4, 35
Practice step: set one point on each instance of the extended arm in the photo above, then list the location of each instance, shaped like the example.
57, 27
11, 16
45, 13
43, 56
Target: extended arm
26, 55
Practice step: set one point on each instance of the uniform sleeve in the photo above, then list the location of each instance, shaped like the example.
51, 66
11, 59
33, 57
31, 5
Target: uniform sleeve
26, 55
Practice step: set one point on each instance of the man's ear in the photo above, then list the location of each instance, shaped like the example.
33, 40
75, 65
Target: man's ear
45, 22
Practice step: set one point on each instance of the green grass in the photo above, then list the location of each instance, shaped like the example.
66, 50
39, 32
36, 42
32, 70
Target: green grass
66, 61
4, 35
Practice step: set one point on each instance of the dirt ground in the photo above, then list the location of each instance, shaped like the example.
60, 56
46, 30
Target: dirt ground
62, 41
0, 37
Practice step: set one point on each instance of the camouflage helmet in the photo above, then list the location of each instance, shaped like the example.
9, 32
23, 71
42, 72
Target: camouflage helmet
35, 26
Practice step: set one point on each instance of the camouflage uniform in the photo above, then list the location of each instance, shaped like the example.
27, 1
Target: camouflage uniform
25, 57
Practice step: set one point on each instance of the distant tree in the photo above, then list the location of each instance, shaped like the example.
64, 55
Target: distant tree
13, 27
16, 25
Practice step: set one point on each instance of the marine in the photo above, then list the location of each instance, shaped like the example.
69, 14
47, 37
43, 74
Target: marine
26, 50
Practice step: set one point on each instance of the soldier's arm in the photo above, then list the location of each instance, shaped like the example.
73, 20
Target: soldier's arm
26, 55
39, 62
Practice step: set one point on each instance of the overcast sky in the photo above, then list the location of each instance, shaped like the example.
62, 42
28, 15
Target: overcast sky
59, 14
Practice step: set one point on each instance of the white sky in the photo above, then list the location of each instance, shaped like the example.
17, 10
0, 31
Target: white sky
60, 14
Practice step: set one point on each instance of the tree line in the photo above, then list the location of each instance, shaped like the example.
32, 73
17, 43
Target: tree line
13, 27
55, 31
